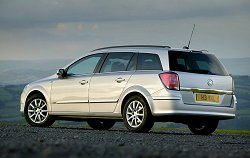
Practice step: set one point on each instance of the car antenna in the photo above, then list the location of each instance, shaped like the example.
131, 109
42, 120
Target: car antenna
187, 47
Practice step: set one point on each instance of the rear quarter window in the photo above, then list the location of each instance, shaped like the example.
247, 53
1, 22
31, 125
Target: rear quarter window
117, 62
147, 61
197, 62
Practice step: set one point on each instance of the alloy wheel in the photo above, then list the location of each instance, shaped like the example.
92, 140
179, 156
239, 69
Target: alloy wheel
135, 114
37, 111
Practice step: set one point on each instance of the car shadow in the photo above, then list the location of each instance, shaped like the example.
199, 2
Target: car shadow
172, 132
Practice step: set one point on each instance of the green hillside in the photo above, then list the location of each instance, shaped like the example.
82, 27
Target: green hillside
10, 96
9, 102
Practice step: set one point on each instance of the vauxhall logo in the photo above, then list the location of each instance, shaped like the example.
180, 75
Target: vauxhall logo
210, 82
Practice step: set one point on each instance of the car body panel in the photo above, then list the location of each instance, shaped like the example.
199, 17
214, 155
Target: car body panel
105, 90
171, 108
133, 89
70, 94
43, 86
191, 84
103, 97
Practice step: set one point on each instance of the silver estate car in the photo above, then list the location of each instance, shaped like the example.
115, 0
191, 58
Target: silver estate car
137, 84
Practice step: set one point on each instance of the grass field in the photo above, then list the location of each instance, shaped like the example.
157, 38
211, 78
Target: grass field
10, 98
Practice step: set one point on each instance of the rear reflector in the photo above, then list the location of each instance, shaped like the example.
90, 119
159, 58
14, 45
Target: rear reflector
170, 80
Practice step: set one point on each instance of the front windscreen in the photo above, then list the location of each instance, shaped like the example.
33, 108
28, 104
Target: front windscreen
196, 62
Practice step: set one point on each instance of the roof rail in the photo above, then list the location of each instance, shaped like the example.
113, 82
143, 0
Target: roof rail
127, 46
204, 50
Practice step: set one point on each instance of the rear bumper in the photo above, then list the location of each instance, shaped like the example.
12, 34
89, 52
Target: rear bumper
174, 107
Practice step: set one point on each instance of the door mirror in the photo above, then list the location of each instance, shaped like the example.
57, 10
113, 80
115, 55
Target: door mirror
61, 73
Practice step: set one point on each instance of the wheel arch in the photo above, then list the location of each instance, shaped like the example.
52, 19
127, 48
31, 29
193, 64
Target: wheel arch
134, 90
34, 92
40, 91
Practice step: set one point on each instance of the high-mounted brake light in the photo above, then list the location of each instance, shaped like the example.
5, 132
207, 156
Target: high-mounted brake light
170, 80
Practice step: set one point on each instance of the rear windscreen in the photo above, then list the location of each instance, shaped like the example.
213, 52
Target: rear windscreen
197, 62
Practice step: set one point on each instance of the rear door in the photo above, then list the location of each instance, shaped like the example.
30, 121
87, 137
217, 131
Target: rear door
203, 79
107, 86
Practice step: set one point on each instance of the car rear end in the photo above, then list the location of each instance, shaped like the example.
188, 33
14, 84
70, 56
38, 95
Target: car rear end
196, 84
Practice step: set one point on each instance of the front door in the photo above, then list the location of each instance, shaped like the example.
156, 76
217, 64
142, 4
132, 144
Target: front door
70, 94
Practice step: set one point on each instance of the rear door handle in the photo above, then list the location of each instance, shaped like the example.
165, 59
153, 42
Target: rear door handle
83, 82
119, 80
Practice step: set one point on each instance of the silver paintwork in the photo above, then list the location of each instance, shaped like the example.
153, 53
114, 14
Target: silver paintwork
102, 94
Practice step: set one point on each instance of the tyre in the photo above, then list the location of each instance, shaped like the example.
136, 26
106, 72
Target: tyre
137, 116
101, 124
36, 111
203, 127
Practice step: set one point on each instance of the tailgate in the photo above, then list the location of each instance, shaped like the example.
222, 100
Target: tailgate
203, 89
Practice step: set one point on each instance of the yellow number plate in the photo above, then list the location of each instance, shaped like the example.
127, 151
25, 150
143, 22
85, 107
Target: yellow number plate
208, 98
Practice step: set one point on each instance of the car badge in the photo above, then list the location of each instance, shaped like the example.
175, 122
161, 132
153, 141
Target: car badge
210, 82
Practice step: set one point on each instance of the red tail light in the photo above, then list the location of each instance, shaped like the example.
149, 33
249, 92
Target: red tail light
170, 80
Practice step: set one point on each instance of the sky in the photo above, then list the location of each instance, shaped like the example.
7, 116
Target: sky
62, 29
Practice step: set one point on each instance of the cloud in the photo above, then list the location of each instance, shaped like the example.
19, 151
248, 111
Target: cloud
63, 28
80, 27
95, 27
27, 13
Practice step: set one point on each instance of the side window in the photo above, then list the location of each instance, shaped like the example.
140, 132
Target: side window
147, 61
132, 63
116, 62
85, 65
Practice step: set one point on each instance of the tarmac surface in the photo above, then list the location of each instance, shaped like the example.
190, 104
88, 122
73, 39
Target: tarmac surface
77, 142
